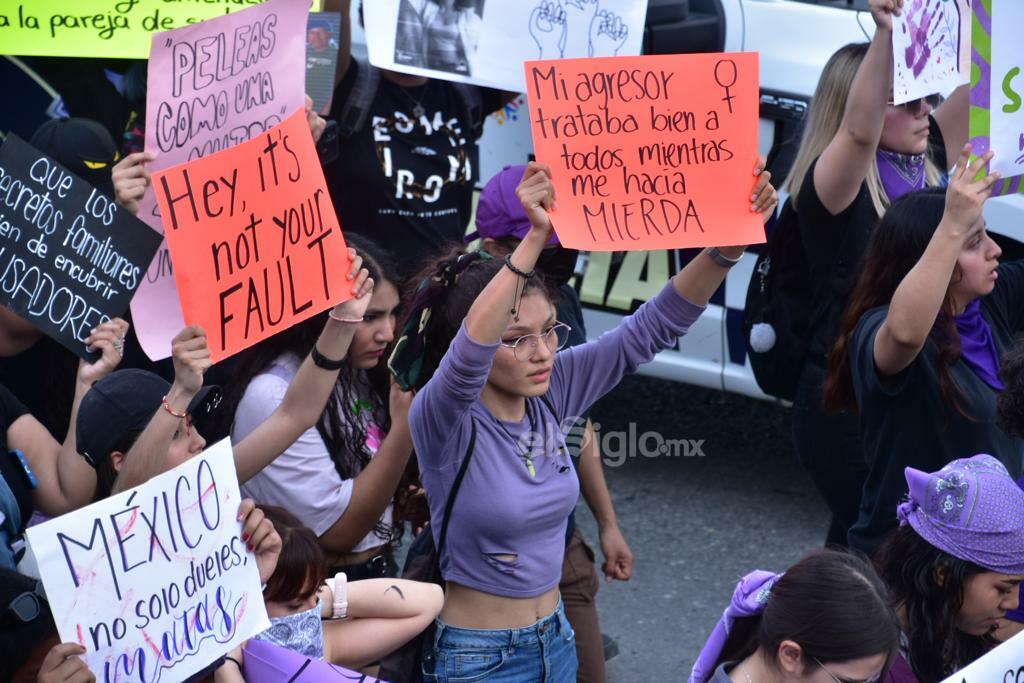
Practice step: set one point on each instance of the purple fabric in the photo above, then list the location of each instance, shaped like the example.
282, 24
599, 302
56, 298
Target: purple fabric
748, 600
978, 346
900, 671
971, 509
900, 173
499, 212
1018, 614
507, 530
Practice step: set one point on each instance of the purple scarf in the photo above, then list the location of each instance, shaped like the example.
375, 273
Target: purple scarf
900, 173
978, 348
1018, 614
748, 600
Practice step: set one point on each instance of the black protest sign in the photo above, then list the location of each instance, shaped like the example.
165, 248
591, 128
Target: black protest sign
70, 257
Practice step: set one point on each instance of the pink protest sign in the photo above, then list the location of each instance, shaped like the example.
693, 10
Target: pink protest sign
212, 86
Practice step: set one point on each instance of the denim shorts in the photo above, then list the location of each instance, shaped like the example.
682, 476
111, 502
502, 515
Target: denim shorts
542, 653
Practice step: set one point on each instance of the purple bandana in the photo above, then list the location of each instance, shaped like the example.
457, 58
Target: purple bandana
1018, 614
971, 509
977, 347
748, 600
900, 173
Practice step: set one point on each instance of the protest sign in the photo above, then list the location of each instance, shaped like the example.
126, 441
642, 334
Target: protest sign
651, 152
485, 41
212, 86
70, 258
322, 32
100, 28
155, 582
269, 663
254, 237
997, 88
1005, 664
931, 48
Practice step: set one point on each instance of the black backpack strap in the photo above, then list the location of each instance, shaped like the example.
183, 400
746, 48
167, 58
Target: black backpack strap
455, 490
551, 406
472, 107
357, 107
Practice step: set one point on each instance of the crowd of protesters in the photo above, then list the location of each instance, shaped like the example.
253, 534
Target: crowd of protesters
449, 397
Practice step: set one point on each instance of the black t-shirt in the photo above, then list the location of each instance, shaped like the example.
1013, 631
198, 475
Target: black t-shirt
42, 377
835, 244
407, 183
11, 471
905, 422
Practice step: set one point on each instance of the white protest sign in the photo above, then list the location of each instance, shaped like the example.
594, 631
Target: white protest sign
1005, 664
1006, 88
485, 42
155, 582
931, 48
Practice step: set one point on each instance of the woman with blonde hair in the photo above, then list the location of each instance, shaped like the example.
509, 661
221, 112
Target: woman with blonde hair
859, 153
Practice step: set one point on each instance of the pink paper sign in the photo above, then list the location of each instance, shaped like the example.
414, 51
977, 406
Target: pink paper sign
212, 86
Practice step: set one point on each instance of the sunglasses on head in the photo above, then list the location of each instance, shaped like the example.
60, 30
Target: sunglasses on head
914, 107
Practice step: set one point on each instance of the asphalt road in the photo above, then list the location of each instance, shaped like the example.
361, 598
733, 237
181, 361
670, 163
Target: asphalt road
695, 523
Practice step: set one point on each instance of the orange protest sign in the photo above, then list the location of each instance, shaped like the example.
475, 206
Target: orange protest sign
253, 236
652, 152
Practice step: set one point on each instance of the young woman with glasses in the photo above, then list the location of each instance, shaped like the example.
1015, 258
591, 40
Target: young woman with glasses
481, 346
859, 153
827, 618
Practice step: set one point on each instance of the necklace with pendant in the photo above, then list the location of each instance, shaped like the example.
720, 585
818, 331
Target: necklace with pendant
418, 111
527, 458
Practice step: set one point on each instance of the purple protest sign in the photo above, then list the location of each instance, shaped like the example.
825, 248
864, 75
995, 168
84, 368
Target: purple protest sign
212, 86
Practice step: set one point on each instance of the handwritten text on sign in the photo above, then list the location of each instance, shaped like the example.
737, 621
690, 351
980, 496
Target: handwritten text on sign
254, 237
649, 152
155, 581
212, 86
1005, 664
99, 28
70, 258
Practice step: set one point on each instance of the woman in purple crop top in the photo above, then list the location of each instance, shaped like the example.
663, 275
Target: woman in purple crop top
480, 345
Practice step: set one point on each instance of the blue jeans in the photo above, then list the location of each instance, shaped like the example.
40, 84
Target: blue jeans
542, 653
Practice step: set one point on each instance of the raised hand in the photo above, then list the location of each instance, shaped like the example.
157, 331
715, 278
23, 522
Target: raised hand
547, 27
190, 352
764, 198
969, 187
64, 665
399, 402
108, 339
882, 12
131, 180
608, 33
354, 309
316, 123
260, 538
537, 195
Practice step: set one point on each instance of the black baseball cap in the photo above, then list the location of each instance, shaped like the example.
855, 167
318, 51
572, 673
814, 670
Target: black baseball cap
124, 402
82, 146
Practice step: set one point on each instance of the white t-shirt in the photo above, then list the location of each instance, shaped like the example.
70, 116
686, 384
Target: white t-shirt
303, 479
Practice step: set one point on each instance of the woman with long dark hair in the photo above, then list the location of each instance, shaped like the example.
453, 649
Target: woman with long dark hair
918, 351
826, 619
858, 154
481, 342
955, 566
339, 478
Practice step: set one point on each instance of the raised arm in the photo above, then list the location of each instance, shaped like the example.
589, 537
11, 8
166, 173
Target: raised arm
344, 36
845, 163
299, 411
917, 300
375, 486
66, 481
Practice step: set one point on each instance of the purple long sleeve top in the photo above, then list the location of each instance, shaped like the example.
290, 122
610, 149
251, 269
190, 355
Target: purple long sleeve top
506, 536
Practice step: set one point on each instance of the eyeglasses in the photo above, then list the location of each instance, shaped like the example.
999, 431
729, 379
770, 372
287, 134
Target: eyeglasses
26, 607
555, 337
914, 107
837, 679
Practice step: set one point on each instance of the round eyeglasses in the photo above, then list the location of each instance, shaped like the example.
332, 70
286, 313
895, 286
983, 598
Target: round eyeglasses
555, 337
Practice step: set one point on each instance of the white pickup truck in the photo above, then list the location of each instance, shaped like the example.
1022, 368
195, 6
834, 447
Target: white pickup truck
794, 38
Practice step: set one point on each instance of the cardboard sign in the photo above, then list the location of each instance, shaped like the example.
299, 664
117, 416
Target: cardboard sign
212, 86
997, 90
322, 33
930, 46
269, 663
1005, 664
99, 28
485, 41
70, 258
254, 237
155, 582
649, 152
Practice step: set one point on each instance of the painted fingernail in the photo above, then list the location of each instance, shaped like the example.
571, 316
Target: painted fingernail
753, 207
245, 537
249, 547
753, 197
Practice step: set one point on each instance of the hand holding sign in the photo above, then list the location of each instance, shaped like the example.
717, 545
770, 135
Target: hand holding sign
107, 339
131, 180
536, 193
648, 152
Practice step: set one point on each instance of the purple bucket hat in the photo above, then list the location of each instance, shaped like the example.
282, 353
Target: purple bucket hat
499, 213
971, 509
